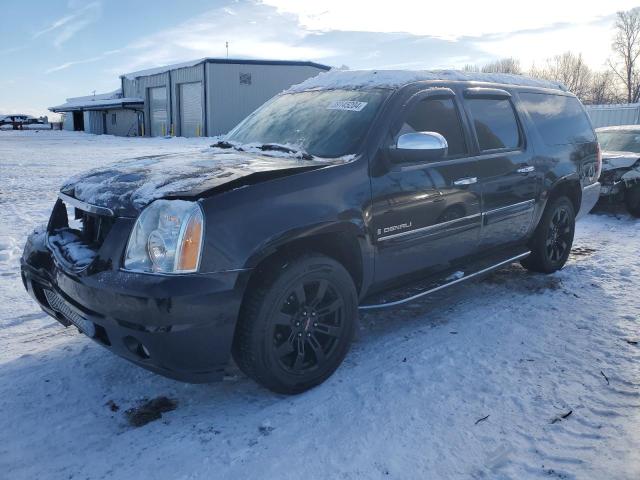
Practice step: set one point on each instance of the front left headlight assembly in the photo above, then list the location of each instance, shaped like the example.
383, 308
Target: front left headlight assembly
166, 238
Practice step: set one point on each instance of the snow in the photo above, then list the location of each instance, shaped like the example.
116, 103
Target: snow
72, 247
335, 79
620, 128
133, 184
110, 99
237, 61
164, 69
475, 382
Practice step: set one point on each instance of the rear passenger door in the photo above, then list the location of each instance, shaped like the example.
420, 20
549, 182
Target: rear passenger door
507, 176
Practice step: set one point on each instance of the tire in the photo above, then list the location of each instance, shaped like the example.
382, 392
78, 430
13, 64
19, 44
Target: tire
296, 323
552, 240
632, 200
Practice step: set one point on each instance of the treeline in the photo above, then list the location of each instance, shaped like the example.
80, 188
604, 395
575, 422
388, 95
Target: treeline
618, 82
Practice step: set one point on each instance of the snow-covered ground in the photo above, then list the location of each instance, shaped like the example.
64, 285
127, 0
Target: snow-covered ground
518, 376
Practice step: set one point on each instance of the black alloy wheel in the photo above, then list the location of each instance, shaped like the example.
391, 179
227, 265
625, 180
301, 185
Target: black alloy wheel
296, 322
552, 240
308, 326
632, 199
559, 234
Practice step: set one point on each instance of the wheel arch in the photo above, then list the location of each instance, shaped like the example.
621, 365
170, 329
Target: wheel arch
569, 187
345, 242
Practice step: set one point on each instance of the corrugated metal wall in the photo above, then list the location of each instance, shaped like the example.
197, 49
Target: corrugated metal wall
229, 101
184, 75
225, 99
138, 88
67, 123
93, 122
126, 123
610, 115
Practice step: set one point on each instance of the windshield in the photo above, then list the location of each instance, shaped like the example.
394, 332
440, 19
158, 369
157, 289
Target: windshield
619, 141
329, 123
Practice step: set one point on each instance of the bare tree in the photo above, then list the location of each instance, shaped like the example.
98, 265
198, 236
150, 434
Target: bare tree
626, 48
569, 69
503, 65
603, 89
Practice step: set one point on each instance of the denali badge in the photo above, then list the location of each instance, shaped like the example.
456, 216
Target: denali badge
394, 228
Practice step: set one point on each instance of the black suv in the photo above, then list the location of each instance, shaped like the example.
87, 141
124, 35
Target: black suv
353, 190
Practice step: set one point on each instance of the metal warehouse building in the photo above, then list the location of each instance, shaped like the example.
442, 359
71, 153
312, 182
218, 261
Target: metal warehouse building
201, 98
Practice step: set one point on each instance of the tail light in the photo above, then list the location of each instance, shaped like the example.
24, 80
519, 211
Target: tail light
598, 162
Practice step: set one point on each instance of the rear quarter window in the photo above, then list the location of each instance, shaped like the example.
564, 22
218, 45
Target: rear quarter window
559, 119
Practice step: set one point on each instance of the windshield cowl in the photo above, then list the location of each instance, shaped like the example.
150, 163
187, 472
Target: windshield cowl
288, 150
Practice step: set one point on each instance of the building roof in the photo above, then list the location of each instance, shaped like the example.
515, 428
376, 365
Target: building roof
16, 115
233, 61
98, 102
397, 78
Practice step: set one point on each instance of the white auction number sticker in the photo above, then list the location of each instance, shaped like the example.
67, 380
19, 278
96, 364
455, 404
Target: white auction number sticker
349, 105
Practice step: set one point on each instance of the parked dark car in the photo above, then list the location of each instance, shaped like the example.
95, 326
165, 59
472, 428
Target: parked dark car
353, 190
620, 177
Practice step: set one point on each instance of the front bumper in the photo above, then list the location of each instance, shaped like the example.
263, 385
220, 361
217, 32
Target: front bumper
180, 326
590, 195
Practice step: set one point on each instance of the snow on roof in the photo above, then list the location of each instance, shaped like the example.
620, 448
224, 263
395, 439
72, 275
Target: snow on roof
397, 78
96, 101
620, 128
15, 115
237, 61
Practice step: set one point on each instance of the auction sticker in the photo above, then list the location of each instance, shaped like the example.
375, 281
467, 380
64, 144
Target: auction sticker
350, 105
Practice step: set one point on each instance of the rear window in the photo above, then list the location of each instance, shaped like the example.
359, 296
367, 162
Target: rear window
560, 120
495, 123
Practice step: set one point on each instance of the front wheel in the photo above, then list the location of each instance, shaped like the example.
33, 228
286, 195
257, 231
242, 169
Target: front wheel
296, 323
552, 240
632, 200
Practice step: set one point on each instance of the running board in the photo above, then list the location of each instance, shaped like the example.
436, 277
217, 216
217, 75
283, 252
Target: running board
453, 279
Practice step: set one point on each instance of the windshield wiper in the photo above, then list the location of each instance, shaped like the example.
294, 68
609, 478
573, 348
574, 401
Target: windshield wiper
274, 147
266, 147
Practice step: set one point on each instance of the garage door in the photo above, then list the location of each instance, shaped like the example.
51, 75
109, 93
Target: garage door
191, 109
158, 111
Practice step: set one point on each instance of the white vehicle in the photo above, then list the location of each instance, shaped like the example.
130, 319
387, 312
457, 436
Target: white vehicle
620, 178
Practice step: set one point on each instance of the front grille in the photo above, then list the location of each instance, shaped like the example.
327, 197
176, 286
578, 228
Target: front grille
59, 305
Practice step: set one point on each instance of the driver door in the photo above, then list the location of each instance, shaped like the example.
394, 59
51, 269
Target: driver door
426, 213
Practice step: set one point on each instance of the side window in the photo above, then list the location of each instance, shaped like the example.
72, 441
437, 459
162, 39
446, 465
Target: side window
558, 118
113, 119
495, 123
437, 115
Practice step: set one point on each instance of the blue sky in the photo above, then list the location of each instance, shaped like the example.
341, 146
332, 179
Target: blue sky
54, 49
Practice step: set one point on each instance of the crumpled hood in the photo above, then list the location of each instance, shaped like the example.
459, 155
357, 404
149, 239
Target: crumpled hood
613, 160
127, 187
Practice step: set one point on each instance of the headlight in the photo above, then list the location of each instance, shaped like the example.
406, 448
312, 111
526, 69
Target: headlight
167, 238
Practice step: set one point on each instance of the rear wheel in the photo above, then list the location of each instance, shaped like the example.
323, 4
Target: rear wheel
552, 240
296, 324
632, 200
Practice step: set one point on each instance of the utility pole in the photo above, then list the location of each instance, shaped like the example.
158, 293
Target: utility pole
227, 46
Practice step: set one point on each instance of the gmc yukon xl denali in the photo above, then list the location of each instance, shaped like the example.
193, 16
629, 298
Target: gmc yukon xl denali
351, 191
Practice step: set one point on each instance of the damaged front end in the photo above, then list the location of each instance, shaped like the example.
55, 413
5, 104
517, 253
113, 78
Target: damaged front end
619, 173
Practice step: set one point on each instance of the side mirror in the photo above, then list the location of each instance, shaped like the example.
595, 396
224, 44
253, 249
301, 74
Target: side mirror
419, 146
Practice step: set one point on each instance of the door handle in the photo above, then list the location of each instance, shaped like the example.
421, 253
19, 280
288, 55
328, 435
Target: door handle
465, 181
527, 169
